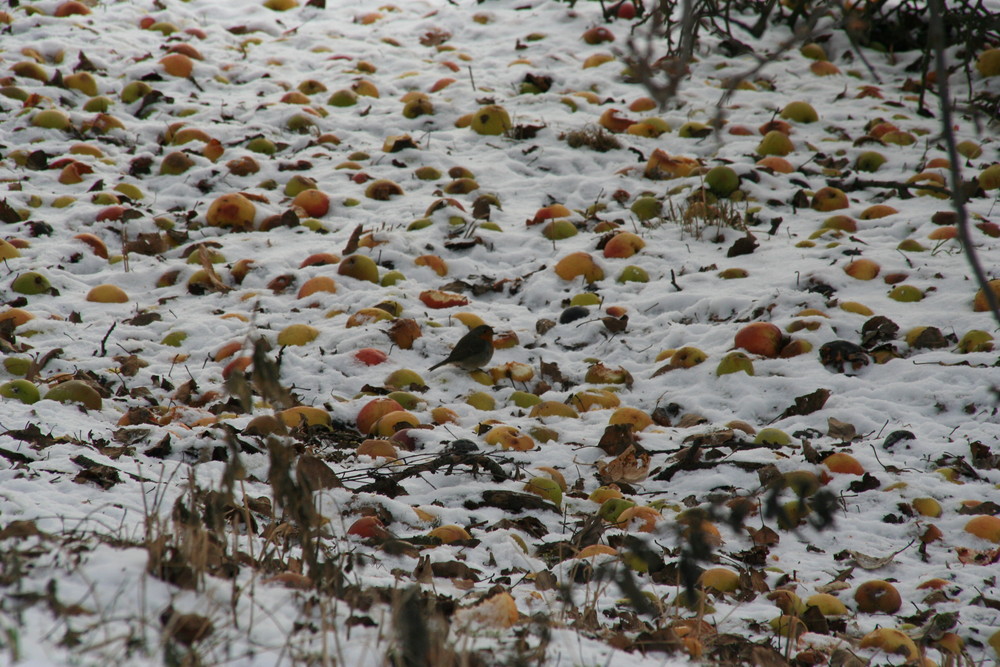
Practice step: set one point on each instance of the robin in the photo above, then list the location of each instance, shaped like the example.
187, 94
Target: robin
473, 350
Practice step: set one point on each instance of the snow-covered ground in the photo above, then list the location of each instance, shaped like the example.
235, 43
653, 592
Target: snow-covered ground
114, 550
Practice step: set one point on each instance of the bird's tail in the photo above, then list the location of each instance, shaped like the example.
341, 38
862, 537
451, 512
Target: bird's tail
437, 365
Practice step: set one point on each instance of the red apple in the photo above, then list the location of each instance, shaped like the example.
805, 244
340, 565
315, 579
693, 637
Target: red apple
374, 410
598, 35
434, 298
550, 212
319, 259
315, 203
96, 244
370, 356
623, 244
369, 528
626, 10
761, 338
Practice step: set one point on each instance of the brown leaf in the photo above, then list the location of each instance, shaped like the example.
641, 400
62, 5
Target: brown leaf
315, 474
744, 245
840, 430
616, 439
689, 419
403, 332
147, 243
988, 507
185, 392
102, 475
629, 467
434, 37
807, 403
712, 438
551, 370
983, 457
352, 243
878, 329
979, 557
764, 537
8, 214
19, 529
455, 570
481, 208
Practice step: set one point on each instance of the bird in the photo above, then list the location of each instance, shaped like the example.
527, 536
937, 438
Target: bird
472, 351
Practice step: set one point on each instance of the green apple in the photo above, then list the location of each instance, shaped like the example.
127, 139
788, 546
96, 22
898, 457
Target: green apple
31, 282
734, 362
612, 508
772, 436
20, 390
722, 180
976, 340
75, 391
134, 90
343, 98
646, 208
545, 487
869, 161
633, 274
800, 112
51, 119
492, 119
775, 143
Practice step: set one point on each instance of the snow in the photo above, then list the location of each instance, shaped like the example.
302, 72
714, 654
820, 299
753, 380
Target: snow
91, 546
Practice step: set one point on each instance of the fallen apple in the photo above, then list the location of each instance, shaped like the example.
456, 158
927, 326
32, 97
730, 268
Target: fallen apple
623, 244
775, 143
359, 267
20, 390
892, 641
878, 596
829, 199
763, 338
490, 120
231, 210
735, 362
75, 391
581, 264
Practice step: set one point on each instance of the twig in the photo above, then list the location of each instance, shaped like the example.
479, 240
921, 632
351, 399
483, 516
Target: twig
104, 341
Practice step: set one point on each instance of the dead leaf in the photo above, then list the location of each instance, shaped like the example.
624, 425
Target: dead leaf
403, 332
19, 529
315, 474
616, 439
840, 430
629, 467
745, 245
352, 242
867, 562
764, 537
807, 403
